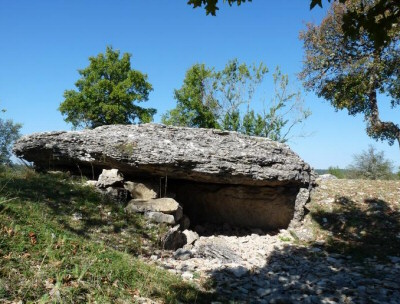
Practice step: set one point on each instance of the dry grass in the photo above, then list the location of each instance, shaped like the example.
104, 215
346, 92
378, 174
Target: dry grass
359, 217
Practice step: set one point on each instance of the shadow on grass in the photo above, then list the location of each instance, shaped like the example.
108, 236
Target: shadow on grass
77, 208
362, 230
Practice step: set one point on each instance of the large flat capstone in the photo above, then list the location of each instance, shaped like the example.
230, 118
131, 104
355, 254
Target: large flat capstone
203, 155
240, 170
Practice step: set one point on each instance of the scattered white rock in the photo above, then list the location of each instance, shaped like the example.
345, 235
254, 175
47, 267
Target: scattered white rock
140, 191
159, 217
109, 178
91, 183
191, 236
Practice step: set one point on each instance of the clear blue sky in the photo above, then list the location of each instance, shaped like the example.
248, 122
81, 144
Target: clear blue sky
43, 43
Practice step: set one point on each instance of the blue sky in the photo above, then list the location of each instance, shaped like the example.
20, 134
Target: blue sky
43, 43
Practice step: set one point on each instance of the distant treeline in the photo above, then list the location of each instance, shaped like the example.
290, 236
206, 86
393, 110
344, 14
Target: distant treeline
354, 174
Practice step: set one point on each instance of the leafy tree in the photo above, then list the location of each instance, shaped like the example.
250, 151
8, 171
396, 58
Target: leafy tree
9, 132
371, 164
223, 99
377, 17
196, 105
107, 93
352, 73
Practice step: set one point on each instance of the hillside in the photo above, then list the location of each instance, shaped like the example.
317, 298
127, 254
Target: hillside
60, 241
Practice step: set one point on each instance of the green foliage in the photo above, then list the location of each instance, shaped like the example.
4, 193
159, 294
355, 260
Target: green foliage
47, 256
371, 164
223, 99
9, 132
350, 72
107, 93
378, 18
196, 106
211, 5
336, 171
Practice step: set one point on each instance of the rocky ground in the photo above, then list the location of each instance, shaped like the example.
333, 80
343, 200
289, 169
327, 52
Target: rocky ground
347, 252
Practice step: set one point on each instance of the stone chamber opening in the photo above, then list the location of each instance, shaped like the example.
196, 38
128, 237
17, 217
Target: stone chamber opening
235, 207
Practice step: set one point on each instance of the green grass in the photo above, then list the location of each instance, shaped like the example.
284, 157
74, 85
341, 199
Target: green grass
61, 242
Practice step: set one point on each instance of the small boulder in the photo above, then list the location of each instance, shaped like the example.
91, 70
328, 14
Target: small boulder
159, 217
164, 205
327, 177
182, 254
140, 191
109, 178
191, 236
173, 239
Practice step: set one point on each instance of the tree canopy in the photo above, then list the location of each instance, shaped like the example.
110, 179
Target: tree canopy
107, 93
378, 20
351, 73
224, 99
9, 132
211, 5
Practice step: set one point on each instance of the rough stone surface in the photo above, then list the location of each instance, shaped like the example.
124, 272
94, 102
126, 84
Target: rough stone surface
159, 217
140, 191
109, 178
202, 155
173, 239
191, 236
299, 209
164, 205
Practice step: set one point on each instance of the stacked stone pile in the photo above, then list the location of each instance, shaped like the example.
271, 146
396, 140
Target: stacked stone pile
144, 198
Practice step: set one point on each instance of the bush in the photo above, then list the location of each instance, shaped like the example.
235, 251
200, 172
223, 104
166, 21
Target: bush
336, 171
371, 164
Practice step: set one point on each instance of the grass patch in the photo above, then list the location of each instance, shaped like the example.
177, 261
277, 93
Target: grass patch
358, 217
60, 241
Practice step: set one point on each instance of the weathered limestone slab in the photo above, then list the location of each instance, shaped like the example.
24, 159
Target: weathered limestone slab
201, 155
159, 217
163, 205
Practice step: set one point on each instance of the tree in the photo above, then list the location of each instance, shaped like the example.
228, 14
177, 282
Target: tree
378, 20
351, 73
371, 164
223, 99
211, 5
196, 106
9, 132
107, 93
